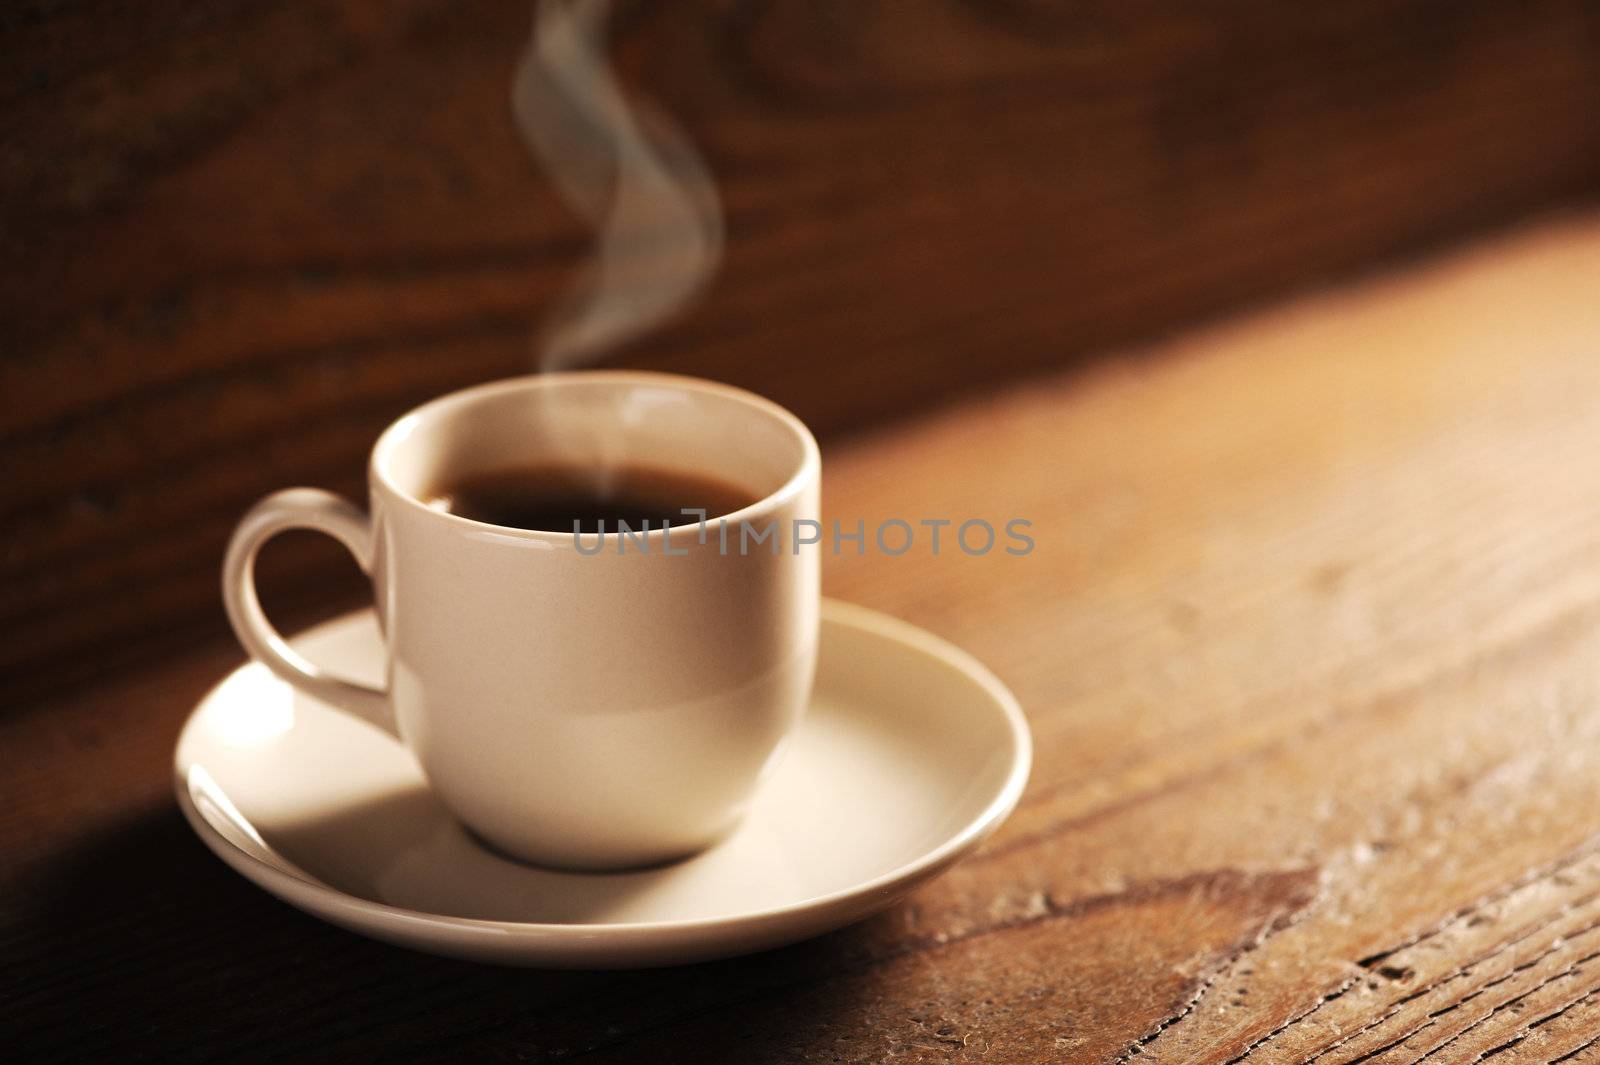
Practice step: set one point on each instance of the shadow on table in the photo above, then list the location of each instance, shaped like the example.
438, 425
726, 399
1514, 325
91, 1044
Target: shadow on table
141, 943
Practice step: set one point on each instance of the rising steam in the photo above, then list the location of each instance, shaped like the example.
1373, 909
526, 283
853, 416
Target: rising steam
631, 172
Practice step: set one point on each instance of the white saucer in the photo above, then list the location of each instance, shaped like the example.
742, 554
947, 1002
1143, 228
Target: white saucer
911, 753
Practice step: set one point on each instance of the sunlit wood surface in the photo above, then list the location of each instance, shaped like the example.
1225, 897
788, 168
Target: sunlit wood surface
1310, 643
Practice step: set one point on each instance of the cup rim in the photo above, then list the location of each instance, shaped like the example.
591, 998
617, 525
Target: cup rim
440, 406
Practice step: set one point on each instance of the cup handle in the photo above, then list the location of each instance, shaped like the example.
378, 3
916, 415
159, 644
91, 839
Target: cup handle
298, 508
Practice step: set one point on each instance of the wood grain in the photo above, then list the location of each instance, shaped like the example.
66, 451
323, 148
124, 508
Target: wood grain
1309, 646
243, 237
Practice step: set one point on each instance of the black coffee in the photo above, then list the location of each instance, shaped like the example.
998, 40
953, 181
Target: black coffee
560, 498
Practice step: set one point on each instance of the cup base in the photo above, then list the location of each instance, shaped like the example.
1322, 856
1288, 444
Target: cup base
635, 862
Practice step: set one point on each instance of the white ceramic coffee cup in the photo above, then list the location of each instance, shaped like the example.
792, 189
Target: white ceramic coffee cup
573, 708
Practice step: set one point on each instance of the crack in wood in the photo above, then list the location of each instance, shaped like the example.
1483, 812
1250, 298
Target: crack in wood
1276, 923
1464, 970
1576, 870
1575, 1051
1547, 1018
1386, 1047
1330, 996
1572, 970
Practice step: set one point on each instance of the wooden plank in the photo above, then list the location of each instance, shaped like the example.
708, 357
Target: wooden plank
248, 236
1308, 642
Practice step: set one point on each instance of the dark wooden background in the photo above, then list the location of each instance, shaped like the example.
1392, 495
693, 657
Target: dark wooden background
239, 238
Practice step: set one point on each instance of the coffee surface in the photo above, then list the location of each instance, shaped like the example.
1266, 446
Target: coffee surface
562, 498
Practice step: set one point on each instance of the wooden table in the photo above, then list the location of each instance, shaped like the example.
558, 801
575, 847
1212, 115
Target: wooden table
1311, 648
